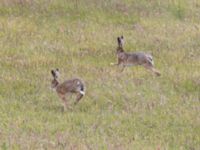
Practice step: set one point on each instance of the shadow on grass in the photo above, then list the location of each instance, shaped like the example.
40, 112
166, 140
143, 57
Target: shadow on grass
54, 108
59, 108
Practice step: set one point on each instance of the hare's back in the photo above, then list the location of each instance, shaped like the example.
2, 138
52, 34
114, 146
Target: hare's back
71, 85
137, 57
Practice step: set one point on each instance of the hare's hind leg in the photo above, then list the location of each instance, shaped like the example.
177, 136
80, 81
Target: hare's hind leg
78, 98
156, 71
64, 100
152, 69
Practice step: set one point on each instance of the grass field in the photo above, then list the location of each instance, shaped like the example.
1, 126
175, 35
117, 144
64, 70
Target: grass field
132, 110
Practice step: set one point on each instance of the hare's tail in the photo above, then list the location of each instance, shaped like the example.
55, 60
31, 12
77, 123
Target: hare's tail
82, 89
150, 59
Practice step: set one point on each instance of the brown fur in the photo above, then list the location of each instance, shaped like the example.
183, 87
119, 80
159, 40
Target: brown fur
132, 59
75, 86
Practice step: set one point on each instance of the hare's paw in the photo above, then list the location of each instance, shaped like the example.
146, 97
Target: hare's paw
112, 64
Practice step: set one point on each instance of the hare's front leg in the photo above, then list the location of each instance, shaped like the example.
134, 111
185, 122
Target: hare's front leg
117, 63
122, 68
114, 64
64, 100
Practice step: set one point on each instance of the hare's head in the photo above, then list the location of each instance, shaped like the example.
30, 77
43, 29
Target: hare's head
55, 73
120, 41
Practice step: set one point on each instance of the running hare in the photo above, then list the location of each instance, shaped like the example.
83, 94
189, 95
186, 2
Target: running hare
131, 59
69, 86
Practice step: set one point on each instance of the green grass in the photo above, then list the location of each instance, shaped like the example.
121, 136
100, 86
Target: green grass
129, 110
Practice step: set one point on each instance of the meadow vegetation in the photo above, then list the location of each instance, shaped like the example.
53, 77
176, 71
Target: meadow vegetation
129, 110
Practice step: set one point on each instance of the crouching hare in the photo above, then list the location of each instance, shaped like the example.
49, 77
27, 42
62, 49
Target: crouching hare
67, 87
133, 59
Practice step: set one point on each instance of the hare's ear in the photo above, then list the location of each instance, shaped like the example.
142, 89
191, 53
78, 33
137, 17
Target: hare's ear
53, 73
119, 41
122, 40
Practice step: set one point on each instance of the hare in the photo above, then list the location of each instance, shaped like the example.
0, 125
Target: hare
131, 59
69, 86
